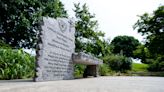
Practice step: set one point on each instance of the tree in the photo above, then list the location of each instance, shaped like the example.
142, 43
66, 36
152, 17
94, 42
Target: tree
88, 38
19, 20
124, 45
152, 26
143, 53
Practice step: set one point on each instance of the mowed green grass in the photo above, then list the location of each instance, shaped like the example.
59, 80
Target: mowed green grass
137, 67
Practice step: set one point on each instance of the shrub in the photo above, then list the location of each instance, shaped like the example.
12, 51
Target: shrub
119, 63
157, 65
104, 70
79, 70
15, 64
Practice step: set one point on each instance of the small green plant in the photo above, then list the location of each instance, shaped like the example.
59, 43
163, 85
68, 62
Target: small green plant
16, 64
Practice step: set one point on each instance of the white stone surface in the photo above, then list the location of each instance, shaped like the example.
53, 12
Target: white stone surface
100, 84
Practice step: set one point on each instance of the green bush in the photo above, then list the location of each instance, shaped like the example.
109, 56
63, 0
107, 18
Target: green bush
104, 70
119, 63
15, 64
79, 70
157, 65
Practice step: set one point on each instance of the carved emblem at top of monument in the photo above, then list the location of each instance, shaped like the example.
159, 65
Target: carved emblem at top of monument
62, 25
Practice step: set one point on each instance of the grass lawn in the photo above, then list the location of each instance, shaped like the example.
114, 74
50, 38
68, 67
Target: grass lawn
141, 70
137, 67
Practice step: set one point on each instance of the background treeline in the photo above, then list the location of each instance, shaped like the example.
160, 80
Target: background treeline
19, 29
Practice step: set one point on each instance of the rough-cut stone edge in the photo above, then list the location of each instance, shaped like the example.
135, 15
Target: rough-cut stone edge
39, 52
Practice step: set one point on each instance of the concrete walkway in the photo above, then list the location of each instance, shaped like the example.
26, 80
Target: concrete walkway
101, 84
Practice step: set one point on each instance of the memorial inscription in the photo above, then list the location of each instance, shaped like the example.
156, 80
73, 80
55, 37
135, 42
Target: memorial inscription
54, 54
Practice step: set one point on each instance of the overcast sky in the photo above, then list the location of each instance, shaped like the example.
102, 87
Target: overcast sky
116, 17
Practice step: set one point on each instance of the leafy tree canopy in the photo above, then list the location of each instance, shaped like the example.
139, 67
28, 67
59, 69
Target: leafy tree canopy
124, 45
88, 37
152, 26
19, 20
142, 53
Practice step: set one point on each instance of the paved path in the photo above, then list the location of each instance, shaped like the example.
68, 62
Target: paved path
101, 84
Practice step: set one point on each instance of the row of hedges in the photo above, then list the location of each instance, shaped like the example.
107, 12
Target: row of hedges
17, 64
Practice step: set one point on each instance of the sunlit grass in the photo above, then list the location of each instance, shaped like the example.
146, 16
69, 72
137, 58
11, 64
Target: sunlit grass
137, 67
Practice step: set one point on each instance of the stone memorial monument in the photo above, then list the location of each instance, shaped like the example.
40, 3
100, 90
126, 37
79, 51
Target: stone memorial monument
55, 48
55, 52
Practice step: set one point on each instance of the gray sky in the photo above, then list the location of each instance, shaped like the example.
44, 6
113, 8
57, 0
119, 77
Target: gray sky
116, 17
